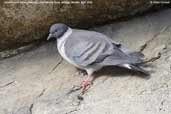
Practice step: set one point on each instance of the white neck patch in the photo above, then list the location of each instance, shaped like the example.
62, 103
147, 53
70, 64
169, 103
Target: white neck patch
60, 45
66, 34
63, 38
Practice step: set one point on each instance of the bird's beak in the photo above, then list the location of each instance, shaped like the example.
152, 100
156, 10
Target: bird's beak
50, 36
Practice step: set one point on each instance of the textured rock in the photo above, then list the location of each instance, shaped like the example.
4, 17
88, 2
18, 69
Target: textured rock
29, 86
23, 23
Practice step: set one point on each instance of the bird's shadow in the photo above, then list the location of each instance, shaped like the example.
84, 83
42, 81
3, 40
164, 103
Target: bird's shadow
111, 71
115, 71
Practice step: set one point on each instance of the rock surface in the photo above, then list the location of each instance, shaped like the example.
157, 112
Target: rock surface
29, 86
23, 23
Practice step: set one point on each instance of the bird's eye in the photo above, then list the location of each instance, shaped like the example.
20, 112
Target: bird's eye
53, 32
56, 30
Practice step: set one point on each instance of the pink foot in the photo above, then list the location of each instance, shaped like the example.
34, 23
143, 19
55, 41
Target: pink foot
85, 83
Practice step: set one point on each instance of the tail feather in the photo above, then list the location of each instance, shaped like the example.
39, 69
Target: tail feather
139, 69
137, 54
124, 49
136, 68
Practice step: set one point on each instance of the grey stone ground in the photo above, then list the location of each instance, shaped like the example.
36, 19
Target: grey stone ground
27, 85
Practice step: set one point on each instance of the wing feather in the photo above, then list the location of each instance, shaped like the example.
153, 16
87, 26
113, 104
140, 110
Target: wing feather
87, 47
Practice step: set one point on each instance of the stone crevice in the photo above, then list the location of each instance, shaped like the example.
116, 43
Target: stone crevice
31, 108
7, 84
144, 46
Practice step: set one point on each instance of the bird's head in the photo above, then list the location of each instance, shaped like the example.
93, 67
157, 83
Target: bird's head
57, 30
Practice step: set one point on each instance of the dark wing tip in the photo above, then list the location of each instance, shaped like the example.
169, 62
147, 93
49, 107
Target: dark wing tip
139, 69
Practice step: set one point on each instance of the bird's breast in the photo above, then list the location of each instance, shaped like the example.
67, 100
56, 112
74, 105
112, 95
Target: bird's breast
61, 48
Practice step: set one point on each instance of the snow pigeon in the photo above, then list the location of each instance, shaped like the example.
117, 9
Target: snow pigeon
90, 51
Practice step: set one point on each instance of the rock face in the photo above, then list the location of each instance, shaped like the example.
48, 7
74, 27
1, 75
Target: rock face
23, 23
29, 86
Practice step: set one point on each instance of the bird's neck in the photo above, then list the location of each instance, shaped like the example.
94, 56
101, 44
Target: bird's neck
66, 34
62, 39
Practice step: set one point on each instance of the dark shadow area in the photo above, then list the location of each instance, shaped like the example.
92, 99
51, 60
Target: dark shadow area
24, 49
115, 71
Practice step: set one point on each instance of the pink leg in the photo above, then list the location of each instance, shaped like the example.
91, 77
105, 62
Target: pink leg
86, 82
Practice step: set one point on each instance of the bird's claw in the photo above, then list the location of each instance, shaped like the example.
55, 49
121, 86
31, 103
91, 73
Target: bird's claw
85, 85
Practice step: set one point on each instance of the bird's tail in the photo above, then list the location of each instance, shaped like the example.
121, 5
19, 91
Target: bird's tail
137, 54
136, 68
139, 69
137, 57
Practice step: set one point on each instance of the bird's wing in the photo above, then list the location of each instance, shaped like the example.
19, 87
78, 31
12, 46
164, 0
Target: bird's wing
87, 47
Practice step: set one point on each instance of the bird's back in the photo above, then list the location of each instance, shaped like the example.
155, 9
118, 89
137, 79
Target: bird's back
88, 47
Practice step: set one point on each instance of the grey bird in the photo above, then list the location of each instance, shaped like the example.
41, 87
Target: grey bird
90, 51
